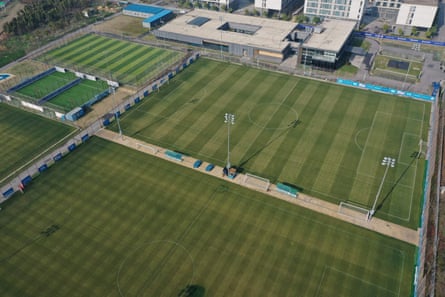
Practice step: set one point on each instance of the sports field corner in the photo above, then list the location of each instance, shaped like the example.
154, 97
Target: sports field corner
318, 205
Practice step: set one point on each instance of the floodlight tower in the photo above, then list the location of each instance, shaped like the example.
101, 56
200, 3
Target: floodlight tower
388, 162
229, 119
115, 111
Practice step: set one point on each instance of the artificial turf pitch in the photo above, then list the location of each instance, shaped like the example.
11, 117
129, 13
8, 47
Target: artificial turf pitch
326, 139
110, 221
24, 136
124, 61
73, 97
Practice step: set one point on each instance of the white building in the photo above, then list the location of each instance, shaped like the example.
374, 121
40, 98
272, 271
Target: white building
340, 9
417, 13
278, 5
218, 3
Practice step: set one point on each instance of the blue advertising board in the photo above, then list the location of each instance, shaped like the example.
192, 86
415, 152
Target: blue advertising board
387, 90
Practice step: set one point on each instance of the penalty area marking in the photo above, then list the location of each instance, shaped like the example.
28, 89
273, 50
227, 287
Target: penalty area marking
348, 275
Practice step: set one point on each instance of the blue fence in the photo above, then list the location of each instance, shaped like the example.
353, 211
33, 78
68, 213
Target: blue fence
96, 98
399, 38
23, 179
386, 90
30, 80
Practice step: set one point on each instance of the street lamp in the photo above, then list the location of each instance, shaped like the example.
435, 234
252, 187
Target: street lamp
229, 119
388, 162
115, 111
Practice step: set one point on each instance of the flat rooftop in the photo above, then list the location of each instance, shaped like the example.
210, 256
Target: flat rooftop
333, 37
422, 2
256, 32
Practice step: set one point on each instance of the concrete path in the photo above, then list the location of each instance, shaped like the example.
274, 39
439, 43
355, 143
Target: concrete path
318, 205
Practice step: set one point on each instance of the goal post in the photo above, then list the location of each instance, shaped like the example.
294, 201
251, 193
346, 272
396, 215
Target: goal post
149, 148
256, 181
355, 211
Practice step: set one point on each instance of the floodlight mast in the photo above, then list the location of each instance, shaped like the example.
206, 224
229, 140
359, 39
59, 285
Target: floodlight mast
115, 112
388, 162
229, 119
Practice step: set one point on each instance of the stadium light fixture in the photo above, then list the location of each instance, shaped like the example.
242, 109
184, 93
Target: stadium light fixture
115, 111
388, 162
229, 119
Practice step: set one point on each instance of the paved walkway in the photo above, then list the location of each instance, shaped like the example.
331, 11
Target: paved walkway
320, 206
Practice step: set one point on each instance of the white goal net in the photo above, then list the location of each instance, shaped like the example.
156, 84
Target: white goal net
147, 148
256, 181
352, 210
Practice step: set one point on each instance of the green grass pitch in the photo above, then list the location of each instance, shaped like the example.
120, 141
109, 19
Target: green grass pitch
327, 139
46, 85
79, 94
110, 221
124, 61
24, 136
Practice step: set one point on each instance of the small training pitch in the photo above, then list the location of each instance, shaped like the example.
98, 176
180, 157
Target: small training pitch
75, 96
111, 221
400, 69
24, 136
118, 60
327, 140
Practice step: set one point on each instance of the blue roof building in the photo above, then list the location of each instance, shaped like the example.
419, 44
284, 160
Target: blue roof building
152, 15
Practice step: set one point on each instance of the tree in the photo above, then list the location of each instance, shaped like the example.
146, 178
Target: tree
385, 28
316, 20
414, 31
401, 32
301, 18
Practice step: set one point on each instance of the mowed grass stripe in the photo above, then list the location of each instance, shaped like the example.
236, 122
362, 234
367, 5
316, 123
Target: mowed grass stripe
104, 57
150, 64
169, 108
273, 156
216, 140
268, 93
230, 103
79, 58
257, 234
132, 59
195, 141
310, 117
129, 58
307, 93
295, 147
88, 48
229, 75
117, 55
354, 151
248, 126
25, 135
74, 45
346, 126
324, 143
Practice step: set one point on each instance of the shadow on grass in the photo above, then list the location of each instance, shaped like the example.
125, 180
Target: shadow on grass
192, 291
293, 124
415, 156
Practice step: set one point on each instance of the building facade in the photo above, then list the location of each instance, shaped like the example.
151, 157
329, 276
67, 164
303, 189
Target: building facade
278, 5
339, 9
417, 15
414, 13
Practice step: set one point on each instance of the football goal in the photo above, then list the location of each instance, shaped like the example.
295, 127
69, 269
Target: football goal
255, 181
148, 148
354, 211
